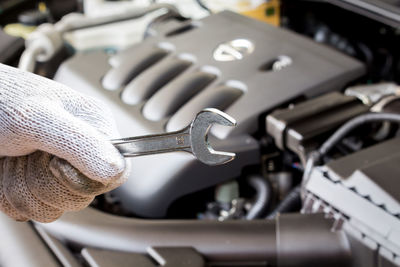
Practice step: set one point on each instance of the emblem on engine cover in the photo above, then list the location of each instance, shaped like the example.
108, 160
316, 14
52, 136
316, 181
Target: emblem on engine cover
233, 50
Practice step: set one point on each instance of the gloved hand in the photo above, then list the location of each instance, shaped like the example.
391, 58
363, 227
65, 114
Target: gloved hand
55, 154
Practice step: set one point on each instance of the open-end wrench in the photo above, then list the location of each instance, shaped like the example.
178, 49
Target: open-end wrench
192, 139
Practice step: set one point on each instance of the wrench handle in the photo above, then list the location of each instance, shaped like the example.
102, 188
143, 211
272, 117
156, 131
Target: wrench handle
154, 144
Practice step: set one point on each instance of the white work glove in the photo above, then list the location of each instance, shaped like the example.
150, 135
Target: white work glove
55, 154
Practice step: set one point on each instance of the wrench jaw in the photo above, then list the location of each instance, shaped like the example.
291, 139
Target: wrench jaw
218, 157
199, 129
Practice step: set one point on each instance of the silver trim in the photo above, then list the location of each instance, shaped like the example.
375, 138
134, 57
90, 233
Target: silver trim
233, 50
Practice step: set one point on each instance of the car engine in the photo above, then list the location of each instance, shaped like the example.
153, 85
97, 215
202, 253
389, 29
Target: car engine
316, 98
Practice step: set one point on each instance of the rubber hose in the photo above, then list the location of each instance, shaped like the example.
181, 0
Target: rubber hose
341, 133
292, 202
263, 194
354, 123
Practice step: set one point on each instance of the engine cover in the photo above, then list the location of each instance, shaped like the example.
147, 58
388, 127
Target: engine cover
225, 61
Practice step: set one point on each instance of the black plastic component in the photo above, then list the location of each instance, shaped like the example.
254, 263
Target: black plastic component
8, 7
385, 11
10, 48
319, 246
393, 106
301, 128
379, 163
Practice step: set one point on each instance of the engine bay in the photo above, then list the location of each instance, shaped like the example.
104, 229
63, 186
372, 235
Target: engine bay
313, 86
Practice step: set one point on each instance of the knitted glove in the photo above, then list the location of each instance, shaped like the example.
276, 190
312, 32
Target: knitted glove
55, 154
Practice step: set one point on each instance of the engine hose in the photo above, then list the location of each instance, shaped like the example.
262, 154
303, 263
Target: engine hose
27, 61
354, 123
263, 195
288, 240
74, 21
341, 133
292, 202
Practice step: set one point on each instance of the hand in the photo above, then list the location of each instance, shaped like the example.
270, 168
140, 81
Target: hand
55, 154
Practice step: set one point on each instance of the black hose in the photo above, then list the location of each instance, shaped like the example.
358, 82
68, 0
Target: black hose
263, 195
304, 239
292, 202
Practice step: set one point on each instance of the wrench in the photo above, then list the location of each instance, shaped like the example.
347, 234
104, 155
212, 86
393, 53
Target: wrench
192, 139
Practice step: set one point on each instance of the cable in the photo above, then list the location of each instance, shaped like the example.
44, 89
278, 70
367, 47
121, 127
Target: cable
341, 133
292, 202
263, 195
354, 123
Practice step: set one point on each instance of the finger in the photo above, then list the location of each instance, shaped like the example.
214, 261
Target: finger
20, 197
60, 133
79, 183
42, 183
5, 206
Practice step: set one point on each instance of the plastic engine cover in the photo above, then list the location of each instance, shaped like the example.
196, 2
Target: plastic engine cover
226, 61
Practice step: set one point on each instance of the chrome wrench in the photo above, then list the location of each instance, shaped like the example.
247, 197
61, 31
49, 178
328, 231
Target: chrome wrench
192, 139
